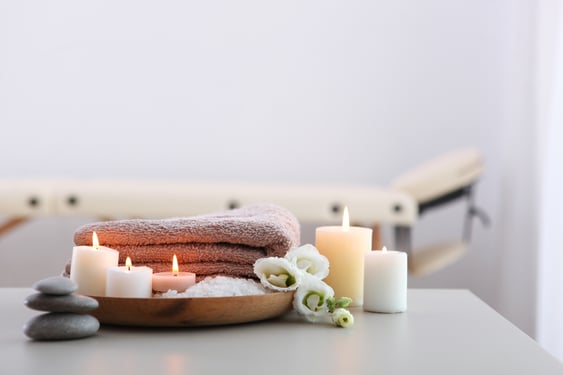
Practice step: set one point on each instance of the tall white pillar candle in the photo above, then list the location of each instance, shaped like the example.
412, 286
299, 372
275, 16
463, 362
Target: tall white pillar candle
88, 267
129, 282
345, 247
385, 281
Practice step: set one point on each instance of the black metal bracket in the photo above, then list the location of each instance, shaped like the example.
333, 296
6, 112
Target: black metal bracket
403, 238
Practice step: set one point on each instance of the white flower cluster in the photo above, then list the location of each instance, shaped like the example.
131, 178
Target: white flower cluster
303, 270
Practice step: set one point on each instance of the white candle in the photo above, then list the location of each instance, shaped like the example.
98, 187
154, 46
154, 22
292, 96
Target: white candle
89, 265
175, 280
129, 282
345, 247
385, 285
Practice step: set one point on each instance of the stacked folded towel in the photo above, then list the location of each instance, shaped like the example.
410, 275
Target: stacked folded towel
226, 243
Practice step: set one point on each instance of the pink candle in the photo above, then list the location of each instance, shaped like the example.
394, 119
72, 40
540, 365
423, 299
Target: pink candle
175, 280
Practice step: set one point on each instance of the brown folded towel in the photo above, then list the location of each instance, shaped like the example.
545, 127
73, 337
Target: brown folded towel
226, 243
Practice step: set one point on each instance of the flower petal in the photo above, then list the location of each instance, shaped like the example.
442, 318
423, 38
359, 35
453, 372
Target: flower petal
311, 297
308, 259
343, 318
277, 273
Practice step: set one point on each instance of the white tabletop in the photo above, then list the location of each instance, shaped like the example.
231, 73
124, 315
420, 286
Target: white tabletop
443, 332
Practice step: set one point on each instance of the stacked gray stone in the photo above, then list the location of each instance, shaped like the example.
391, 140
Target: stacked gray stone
66, 318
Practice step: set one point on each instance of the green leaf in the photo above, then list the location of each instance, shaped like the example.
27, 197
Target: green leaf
330, 304
343, 302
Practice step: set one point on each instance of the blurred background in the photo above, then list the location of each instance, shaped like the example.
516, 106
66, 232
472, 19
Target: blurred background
328, 92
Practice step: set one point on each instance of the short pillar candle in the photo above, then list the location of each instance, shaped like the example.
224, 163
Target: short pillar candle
162, 282
129, 282
385, 281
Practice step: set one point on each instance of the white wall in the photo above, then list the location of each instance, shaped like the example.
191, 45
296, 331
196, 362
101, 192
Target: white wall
550, 118
294, 91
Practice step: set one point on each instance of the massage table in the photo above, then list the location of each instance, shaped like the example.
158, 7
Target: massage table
429, 186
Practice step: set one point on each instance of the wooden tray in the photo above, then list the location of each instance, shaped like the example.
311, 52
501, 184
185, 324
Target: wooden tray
191, 312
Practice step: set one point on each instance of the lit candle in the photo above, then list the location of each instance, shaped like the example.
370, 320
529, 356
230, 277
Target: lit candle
385, 285
345, 247
128, 281
89, 265
175, 280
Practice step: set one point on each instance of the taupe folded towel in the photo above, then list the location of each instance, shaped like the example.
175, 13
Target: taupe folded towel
226, 243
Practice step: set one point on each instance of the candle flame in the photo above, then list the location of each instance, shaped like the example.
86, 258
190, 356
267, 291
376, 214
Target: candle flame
95, 241
175, 267
346, 220
128, 264
384, 249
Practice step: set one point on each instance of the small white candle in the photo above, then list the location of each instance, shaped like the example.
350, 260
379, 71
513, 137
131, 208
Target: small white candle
129, 282
175, 280
345, 247
385, 283
88, 267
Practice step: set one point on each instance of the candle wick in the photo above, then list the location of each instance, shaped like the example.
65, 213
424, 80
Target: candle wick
128, 268
175, 274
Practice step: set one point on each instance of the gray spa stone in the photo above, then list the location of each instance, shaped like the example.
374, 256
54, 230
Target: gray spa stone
56, 285
61, 326
71, 303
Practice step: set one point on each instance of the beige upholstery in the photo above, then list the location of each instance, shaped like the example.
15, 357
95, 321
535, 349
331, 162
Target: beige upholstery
430, 181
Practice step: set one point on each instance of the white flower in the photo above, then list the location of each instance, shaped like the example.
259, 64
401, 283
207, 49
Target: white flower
310, 298
343, 318
302, 270
308, 259
277, 273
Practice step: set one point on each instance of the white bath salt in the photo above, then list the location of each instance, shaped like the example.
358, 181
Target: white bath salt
219, 286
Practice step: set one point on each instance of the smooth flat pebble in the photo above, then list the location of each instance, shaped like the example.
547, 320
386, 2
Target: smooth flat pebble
70, 303
56, 285
61, 326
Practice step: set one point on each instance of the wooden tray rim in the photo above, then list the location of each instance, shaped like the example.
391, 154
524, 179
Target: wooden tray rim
191, 311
